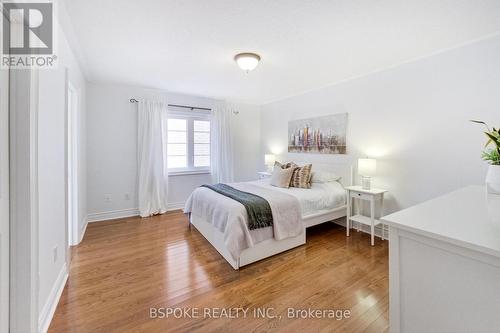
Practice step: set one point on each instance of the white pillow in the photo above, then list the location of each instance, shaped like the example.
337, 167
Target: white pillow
281, 177
324, 177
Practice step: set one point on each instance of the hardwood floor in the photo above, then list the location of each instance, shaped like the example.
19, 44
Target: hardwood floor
125, 267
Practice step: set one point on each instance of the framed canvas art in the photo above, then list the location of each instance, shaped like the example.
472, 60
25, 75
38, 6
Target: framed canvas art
319, 135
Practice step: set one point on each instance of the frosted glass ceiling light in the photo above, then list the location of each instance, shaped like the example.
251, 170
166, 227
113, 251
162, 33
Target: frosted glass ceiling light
247, 61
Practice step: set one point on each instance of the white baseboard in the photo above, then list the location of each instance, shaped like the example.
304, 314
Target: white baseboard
83, 230
119, 214
176, 205
50, 306
111, 215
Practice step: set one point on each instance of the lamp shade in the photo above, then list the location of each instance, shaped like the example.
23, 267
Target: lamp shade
269, 159
367, 167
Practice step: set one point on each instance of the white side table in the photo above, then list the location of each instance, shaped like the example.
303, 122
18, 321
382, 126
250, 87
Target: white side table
264, 174
373, 195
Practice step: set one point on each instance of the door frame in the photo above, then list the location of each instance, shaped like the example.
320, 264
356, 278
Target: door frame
72, 171
23, 137
4, 198
4, 202
23, 199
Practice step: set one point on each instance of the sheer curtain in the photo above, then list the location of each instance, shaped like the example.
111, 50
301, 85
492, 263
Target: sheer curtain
222, 144
151, 156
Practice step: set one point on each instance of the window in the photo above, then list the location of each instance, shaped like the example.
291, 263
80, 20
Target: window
201, 140
188, 143
177, 144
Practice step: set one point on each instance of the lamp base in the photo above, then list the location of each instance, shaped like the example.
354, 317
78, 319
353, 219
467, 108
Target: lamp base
366, 183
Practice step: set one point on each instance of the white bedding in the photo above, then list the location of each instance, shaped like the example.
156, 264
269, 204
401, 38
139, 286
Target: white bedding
320, 197
230, 217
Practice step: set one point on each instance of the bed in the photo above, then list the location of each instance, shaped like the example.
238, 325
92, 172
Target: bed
222, 220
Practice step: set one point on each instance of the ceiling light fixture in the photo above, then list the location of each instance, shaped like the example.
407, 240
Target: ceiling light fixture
247, 61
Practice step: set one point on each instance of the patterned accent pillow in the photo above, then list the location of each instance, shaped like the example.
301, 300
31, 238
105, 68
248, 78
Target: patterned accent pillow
301, 177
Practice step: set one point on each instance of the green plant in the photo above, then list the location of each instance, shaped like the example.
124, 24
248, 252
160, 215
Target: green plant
492, 156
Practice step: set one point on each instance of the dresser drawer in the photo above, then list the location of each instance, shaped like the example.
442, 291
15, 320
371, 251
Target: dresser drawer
359, 195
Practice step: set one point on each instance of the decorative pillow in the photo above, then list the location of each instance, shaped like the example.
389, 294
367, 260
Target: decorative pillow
302, 177
286, 165
324, 177
281, 177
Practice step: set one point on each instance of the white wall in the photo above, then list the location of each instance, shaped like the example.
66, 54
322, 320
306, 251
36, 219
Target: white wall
112, 148
414, 118
247, 147
52, 119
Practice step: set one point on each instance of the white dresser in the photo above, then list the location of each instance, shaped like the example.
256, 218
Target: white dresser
444, 264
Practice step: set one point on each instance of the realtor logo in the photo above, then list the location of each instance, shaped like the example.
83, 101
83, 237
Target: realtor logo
28, 35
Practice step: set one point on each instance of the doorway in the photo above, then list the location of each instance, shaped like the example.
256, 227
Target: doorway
72, 165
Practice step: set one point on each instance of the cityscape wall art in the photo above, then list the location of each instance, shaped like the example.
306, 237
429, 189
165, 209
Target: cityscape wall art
319, 135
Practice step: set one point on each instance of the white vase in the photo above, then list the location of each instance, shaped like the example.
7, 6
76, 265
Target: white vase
493, 179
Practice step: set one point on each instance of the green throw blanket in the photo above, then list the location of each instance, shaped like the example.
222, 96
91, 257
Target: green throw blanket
258, 209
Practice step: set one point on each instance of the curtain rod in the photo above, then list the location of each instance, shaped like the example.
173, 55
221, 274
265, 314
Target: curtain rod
133, 100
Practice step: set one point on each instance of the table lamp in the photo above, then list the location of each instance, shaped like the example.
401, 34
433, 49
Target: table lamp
269, 161
367, 167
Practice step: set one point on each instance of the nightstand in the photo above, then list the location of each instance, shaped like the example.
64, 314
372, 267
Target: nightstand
264, 174
373, 195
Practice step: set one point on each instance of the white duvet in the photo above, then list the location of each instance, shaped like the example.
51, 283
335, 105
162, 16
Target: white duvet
321, 197
230, 217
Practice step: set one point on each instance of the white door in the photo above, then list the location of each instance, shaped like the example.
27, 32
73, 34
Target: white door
4, 200
72, 156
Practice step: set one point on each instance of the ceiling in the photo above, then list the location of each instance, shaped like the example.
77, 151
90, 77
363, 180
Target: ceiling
188, 46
